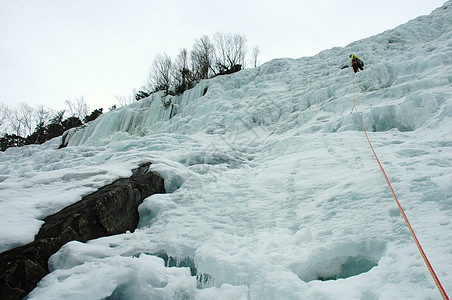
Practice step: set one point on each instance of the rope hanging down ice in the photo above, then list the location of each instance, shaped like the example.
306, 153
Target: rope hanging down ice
424, 256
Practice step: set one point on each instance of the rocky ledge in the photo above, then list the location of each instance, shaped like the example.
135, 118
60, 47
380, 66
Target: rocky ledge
112, 209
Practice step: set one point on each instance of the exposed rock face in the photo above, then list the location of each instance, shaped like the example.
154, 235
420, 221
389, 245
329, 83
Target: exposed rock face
233, 69
112, 209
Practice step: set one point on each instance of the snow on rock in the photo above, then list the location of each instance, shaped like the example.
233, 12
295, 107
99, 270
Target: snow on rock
275, 193
110, 210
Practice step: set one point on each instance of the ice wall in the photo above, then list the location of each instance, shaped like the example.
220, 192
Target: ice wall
134, 119
404, 86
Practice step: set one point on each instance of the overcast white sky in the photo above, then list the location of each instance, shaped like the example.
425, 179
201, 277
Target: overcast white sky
53, 50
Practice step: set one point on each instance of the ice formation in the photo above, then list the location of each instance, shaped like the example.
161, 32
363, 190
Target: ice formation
273, 192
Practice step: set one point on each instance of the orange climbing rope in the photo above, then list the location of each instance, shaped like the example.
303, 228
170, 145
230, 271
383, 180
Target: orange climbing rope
429, 266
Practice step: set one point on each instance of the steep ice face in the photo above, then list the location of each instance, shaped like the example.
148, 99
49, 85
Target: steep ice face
273, 191
403, 87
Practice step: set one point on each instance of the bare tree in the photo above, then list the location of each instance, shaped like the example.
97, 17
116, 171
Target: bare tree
182, 75
42, 114
202, 57
78, 108
230, 50
126, 100
254, 55
21, 119
160, 74
26, 113
4, 118
15, 121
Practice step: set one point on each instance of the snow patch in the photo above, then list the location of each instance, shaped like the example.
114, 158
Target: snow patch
339, 262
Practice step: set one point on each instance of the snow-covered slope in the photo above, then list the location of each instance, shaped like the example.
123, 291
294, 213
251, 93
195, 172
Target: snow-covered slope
273, 190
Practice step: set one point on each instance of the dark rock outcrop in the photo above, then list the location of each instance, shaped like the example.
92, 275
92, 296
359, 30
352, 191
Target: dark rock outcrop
112, 209
233, 69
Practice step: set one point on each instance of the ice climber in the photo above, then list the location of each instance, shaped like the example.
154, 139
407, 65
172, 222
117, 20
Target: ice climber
357, 64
